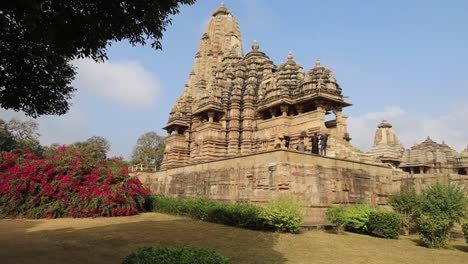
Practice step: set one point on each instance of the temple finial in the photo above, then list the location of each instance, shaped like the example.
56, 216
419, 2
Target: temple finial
290, 56
255, 45
317, 63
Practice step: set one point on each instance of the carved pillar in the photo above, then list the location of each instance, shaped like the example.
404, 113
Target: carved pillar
340, 122
321, 112
234, 123
211, 115
300, 109
284, 110
273, 112
248, 115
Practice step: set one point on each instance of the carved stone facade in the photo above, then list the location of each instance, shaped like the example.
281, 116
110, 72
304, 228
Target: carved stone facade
263, 177
430, 157
387, 146
235, 104
227, 131
427, 158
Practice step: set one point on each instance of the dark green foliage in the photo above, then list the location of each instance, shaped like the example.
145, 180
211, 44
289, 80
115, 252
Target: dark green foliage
384, 224
39, 39
241, 215
365, 219
174, 255
408, 205
446, 201
279, 216
357, 217
434, 230
465, 230
441, 207
337, 216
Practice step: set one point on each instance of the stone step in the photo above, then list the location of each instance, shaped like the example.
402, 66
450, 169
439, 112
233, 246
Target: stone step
317, 226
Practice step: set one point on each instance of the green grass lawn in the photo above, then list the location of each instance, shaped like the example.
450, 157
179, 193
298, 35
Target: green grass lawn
108, 240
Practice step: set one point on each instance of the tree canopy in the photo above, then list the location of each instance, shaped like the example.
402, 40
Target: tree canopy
95, 148
149, 150
39, 40
16, 135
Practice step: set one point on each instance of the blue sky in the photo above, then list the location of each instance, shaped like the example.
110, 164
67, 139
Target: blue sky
405, 61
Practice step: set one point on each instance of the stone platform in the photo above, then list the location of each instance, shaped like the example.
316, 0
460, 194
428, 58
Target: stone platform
317, 181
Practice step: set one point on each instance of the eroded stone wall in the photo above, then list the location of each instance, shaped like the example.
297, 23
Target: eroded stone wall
259, 178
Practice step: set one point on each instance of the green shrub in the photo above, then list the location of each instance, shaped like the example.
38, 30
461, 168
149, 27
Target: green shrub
445, 201
284, 215
465, 230
337, 216
199, 208
384, 224
242, 215
408, 205
357, 217
174, 255
164, 204
434, 230
441, 207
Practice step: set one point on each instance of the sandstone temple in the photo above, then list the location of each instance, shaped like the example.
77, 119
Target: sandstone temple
235, 104
227, 134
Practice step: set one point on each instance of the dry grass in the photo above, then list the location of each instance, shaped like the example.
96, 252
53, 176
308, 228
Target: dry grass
108, 240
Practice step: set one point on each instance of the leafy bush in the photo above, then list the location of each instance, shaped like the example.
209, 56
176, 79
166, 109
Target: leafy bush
284, 215
434, 230
446, 201
174, 255
441, 207
67, 184
384, 224
242, 215
465, 230
337, 216
357, 217
408, 205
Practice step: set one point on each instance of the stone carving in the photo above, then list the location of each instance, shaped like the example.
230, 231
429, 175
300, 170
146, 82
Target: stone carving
387, 146
430, 157
427, 158
228, 131
241, 99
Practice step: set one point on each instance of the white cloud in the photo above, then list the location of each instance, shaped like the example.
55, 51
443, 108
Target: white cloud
124, 82
412, 128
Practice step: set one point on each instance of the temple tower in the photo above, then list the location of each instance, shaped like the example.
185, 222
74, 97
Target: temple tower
235, 105
387, 146
195, 124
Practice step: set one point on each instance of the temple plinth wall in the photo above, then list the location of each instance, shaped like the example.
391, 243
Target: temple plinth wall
263, 177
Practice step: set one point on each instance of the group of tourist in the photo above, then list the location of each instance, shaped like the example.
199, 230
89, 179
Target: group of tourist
319, 144
321, 141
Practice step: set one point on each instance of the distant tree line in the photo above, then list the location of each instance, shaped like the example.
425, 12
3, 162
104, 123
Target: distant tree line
19, 136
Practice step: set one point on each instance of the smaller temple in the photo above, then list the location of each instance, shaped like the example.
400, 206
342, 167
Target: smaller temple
462, 162
387, 146
429, 157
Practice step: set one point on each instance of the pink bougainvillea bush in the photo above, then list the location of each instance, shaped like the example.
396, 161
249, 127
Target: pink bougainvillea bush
67, 185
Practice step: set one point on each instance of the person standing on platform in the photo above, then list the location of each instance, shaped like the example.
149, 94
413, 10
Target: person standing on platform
315, 144
323, 144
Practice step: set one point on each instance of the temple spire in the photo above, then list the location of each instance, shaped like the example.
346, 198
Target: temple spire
255, 45
317, 63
